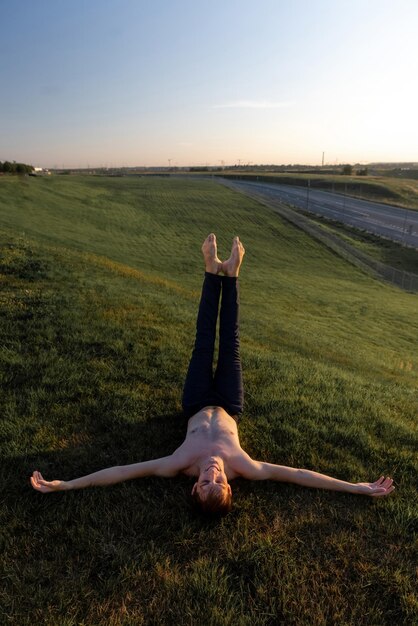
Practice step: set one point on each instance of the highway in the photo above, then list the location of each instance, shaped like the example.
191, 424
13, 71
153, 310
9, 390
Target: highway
394, 223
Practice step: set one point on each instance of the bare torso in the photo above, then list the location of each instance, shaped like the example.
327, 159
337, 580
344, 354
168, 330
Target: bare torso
212, 432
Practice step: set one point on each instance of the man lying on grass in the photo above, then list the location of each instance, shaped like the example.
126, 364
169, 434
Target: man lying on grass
211, 450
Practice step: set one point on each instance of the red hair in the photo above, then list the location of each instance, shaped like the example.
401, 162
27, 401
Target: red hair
217, 502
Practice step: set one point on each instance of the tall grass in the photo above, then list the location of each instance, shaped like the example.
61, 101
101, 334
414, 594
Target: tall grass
100, 281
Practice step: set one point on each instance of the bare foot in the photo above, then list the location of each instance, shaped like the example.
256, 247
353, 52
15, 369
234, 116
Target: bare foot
212, 264
232, 265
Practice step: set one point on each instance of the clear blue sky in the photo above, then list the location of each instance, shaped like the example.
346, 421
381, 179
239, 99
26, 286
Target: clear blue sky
133, 82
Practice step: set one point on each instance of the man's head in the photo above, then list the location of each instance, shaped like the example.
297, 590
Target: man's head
211, 492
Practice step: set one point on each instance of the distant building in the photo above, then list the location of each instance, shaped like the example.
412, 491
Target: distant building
40, 171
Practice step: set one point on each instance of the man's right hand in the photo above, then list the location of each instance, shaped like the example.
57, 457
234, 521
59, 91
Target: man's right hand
45, 486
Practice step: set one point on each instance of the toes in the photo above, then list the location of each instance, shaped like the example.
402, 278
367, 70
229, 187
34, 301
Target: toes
210, 240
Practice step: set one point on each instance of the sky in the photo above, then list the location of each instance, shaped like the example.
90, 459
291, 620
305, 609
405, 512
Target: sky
93, 83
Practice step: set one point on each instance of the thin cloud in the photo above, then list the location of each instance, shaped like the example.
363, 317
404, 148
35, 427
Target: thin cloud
252, 104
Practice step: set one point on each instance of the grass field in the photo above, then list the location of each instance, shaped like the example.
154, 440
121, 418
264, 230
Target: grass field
100, 280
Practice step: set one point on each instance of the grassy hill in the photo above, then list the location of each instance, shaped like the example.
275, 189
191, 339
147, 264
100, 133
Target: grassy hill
100, 281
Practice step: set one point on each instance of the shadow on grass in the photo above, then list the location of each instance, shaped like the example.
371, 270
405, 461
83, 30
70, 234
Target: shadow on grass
157, 501
111, 442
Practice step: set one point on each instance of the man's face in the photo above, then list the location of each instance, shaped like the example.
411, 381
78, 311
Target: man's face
212, 478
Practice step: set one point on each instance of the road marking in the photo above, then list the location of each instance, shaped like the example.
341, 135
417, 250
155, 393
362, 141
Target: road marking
353, 209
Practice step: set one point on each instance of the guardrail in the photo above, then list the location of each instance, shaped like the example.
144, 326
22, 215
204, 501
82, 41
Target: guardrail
407, 281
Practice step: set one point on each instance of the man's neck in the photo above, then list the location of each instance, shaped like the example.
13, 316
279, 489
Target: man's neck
206, 462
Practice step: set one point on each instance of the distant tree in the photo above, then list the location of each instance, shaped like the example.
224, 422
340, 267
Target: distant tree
363, 171
347, 170
15, 168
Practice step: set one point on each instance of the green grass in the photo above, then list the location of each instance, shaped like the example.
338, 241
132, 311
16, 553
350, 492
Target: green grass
100, 281
383, 250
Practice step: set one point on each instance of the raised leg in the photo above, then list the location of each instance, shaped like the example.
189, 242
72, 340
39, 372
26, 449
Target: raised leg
198, 387
228, 376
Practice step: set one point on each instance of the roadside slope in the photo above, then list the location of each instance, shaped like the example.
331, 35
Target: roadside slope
96, 329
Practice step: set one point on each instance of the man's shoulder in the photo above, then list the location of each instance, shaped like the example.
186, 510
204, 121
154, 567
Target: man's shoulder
242, 465
182, 458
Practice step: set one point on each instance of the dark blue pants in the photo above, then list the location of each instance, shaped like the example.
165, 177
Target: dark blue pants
225, 388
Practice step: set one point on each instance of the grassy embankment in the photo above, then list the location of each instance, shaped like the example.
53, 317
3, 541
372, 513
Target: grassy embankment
386, 189
99, 287
383, 250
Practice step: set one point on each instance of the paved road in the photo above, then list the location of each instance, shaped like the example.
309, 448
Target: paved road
381, 219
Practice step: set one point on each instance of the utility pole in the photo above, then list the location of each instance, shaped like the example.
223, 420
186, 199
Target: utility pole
323, 155
404, 227
345, 194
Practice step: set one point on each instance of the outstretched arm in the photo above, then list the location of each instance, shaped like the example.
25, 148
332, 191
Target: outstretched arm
165, 466
257, 470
